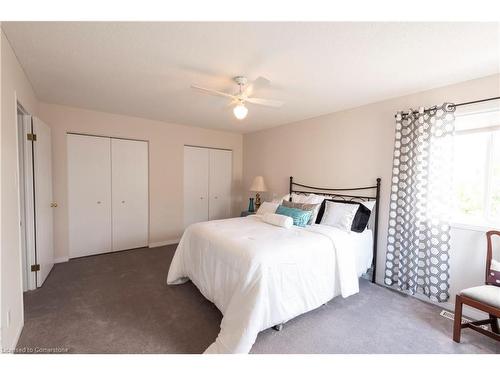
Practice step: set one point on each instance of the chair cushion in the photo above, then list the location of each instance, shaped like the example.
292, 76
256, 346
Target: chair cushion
488, 294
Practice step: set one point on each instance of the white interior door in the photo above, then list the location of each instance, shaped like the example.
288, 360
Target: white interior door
89, 195
220, 177
196, 165
44, 216
129, 160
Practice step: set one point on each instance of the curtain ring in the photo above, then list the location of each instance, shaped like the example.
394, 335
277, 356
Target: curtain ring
432, 110
449, 107
421, 114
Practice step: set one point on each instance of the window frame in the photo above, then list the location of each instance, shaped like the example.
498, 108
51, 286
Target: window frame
486, 222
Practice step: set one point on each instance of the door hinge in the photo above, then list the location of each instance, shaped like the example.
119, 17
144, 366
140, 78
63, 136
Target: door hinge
31, 137
35, 267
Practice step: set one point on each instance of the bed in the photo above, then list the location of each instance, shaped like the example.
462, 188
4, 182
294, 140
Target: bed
260, 275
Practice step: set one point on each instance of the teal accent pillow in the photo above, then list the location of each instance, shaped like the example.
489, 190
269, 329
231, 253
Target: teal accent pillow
300, 217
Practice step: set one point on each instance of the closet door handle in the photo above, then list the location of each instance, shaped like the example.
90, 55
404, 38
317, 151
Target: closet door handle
98, 202
123, 201
216, 197
201, 197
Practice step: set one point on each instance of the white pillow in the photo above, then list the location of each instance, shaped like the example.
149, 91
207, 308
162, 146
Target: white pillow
315, 198
339, 215
495, 265
304, 198
278, 220
368, 204
300, 198
267, 207
283, 198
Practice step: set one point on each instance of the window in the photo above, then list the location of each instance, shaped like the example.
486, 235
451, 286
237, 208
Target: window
476, 175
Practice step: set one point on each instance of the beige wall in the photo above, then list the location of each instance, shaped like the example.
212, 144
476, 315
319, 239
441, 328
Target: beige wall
15, 87
166, 147
353, 148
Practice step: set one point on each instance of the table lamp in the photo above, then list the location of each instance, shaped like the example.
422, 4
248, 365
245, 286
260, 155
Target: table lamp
258, 186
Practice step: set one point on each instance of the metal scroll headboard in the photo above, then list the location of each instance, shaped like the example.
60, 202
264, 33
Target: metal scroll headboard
347, 195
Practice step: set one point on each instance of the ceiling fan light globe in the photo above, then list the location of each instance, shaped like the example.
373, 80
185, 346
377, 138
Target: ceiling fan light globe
240, 111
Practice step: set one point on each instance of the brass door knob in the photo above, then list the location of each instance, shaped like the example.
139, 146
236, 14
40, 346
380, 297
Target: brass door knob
53, 204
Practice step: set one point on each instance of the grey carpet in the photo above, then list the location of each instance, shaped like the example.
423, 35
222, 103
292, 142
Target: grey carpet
119, 303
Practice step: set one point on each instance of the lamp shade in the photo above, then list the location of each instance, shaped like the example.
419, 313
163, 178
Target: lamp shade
258, 184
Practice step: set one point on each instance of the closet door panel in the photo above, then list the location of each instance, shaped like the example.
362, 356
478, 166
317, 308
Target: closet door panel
130, 210
195, 185
220, 184
89, 195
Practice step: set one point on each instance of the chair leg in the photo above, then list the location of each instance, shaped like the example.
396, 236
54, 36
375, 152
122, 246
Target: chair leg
457, 324
494, 324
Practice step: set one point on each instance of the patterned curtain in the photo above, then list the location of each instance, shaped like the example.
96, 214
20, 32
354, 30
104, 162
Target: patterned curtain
418, 241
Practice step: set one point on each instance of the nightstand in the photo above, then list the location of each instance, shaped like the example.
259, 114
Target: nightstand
247, 213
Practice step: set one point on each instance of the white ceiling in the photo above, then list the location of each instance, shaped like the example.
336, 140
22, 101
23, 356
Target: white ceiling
146, 69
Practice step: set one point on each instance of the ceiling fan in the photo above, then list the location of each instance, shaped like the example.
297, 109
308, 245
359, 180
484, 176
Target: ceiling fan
242, 96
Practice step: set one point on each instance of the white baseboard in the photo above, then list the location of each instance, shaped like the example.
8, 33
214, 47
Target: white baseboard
18, 335
61, 260
165, 243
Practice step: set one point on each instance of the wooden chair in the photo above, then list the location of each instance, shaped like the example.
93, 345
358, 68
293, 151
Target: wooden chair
485, 298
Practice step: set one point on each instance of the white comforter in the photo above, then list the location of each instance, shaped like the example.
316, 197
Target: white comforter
260, 275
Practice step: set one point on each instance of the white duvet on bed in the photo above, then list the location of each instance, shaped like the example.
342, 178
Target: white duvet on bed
260, 275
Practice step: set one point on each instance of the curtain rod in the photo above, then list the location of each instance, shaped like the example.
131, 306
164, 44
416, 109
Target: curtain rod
451, 106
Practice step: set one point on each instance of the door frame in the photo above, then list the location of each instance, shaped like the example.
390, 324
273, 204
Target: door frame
26, 195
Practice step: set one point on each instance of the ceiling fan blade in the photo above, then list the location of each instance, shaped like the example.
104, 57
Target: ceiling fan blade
213, 92
265, 102
260, 82
232, 103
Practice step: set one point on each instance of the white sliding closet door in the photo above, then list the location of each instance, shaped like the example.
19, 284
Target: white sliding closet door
220, 177
89, 195
196, 166
129, 160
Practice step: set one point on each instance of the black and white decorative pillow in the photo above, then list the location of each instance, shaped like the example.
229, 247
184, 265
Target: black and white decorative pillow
361, 216
339, 215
